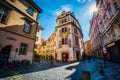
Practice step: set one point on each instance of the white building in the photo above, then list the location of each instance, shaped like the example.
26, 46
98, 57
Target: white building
69, 38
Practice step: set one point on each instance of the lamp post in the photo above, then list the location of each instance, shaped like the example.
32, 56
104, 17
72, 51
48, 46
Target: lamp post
16, 50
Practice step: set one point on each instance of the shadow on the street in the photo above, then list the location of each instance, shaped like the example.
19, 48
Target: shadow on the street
86, 65
13, 71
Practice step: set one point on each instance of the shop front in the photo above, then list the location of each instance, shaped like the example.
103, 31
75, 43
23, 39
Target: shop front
113, 50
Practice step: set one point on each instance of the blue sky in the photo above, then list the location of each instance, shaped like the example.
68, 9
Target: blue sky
52, 8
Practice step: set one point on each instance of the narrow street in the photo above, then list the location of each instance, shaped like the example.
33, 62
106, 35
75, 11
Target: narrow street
62, 71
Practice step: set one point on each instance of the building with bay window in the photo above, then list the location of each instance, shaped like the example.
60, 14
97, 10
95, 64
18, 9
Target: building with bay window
18, 23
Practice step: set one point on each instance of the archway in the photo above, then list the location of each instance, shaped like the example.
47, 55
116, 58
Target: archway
65, 57
4, 54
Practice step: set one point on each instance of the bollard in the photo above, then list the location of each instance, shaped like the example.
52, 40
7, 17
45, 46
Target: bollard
86, 75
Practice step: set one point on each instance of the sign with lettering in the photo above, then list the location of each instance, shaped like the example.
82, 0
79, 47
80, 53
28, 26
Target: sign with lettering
11, 38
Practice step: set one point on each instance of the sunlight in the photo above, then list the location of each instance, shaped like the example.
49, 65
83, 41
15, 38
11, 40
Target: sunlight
93, 8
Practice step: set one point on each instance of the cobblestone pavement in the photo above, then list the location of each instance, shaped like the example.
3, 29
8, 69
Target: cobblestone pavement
59, 71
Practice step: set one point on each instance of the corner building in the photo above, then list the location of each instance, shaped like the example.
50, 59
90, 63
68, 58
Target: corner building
69, 38
18, 23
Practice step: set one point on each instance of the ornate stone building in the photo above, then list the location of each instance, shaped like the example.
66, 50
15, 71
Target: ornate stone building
18, 22
69, 38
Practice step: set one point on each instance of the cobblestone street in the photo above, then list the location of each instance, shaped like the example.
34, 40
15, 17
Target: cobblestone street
62, 71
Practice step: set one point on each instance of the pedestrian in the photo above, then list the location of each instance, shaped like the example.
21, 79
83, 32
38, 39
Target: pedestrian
104, 59
51, 59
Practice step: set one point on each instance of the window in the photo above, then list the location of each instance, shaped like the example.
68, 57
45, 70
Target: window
64, 29
27, 27
64, 41
115, 6
37, 29
64, 20
75, 30
30, 11
3, 14
110, 12
76, 41
23, 49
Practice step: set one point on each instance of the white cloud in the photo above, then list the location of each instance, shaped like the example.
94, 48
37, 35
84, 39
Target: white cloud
78, 0
66, 7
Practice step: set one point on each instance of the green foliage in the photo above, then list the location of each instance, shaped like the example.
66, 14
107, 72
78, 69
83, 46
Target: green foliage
39, 57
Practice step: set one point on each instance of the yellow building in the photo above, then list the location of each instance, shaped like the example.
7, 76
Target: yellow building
53, 45
18, 22
88, 48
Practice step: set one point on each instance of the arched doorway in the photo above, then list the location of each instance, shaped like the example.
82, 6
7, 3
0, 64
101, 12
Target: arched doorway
77, 55
65, 57
4, 54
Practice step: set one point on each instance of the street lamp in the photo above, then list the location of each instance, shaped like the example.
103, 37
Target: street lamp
16, 50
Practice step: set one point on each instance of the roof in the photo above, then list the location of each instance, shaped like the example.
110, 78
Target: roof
35, 6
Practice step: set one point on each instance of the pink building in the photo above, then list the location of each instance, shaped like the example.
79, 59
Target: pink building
105, 29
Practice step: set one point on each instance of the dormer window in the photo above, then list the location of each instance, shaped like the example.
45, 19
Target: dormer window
30, 11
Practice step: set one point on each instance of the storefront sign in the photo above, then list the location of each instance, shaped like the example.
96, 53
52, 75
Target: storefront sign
11, 38
111, 44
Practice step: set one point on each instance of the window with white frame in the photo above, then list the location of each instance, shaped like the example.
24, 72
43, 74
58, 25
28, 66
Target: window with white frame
23, 49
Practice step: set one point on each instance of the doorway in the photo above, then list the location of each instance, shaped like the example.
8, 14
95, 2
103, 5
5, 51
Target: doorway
65, 57
78, 55
4, 54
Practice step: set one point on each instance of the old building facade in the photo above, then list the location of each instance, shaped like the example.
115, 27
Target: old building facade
88, 49
68, 38
18, 22
108, 23
38, 41
53, 45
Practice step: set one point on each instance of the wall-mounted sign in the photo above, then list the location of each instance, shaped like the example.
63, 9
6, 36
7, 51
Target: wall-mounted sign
11, 38
111, 44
